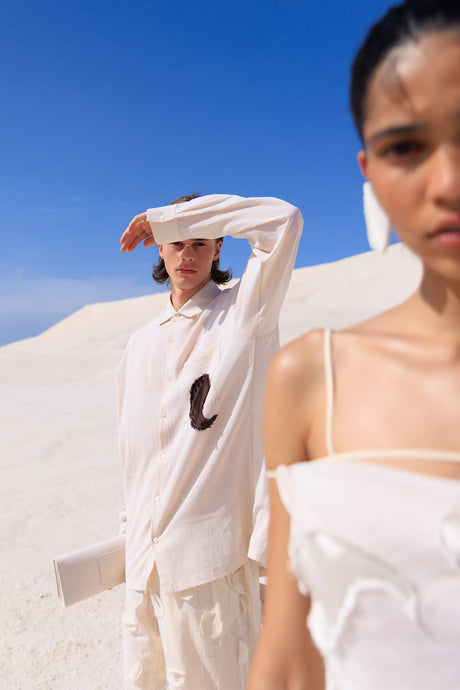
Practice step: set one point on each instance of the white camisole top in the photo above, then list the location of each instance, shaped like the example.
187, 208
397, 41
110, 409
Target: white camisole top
378, 551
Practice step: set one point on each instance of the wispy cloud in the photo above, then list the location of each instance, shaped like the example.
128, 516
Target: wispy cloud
28, 306
62, 209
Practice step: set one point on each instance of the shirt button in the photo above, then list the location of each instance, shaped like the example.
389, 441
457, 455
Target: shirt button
157, 497
164, 414
163, 453
155, 540
171, 340
169, 379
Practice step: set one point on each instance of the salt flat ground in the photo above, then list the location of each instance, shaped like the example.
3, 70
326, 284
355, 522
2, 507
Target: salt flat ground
60, 485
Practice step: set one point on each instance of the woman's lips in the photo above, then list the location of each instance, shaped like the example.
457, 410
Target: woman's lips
447, 236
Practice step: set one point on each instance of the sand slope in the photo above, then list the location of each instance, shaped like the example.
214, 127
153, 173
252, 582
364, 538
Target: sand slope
60, 481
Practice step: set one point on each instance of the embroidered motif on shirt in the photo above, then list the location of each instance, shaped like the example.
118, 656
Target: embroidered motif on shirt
198, 394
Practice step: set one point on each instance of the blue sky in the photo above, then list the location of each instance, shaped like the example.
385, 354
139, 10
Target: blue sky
110, 107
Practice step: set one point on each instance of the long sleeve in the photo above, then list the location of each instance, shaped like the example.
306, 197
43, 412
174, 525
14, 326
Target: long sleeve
195, 497
272, 227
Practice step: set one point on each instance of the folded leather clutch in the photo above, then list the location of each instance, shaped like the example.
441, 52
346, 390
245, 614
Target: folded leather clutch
88, 571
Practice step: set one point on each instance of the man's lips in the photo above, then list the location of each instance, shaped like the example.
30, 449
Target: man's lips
186, 269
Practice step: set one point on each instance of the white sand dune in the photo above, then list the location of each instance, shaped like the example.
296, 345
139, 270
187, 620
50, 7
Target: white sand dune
60, 480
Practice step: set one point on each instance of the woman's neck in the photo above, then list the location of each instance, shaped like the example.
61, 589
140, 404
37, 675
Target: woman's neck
437, 304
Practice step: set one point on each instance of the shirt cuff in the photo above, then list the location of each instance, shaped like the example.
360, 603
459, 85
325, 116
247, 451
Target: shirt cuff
160, 222
161, 214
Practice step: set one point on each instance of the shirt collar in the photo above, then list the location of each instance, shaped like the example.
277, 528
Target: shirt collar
194, 305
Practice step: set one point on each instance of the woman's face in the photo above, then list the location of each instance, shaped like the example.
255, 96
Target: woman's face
412, 146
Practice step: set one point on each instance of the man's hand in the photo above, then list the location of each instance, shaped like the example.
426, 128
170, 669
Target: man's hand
137, 231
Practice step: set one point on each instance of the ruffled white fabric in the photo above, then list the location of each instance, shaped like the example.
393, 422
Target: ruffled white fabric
378, 550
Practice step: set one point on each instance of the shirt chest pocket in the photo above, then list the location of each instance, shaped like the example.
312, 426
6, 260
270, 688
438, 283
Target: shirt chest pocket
200, 378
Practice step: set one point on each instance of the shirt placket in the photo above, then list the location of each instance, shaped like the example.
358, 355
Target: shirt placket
164, 428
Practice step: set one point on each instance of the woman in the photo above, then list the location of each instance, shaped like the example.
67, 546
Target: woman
365, 540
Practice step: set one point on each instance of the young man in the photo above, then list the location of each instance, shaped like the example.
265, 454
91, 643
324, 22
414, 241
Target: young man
190, 397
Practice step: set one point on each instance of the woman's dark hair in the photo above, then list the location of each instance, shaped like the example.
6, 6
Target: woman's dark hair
159, 272
408, 21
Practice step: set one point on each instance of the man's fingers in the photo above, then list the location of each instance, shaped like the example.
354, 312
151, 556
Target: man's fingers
138, 230
131, 242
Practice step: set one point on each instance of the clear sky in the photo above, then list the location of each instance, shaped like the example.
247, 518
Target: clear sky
112, 106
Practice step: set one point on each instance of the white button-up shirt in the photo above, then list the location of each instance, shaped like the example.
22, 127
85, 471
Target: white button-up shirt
196, 497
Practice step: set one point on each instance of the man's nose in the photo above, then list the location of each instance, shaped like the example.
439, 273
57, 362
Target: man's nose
187, 252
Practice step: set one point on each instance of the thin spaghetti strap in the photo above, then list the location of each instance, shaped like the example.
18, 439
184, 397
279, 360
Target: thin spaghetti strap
329, 377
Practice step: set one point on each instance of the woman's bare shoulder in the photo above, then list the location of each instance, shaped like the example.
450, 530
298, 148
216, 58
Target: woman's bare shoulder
294, 396
300, 362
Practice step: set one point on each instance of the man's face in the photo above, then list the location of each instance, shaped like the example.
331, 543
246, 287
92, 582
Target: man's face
189, 262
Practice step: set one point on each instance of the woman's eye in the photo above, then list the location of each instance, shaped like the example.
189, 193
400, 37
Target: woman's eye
403, 149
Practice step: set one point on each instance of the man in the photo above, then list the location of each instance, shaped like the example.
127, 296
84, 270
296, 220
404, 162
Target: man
190, 402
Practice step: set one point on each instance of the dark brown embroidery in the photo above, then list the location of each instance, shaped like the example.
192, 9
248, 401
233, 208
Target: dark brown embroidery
198, 394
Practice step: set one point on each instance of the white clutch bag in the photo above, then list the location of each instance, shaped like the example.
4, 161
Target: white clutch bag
88, 571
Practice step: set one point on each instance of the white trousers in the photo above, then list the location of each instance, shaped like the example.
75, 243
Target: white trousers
201, 638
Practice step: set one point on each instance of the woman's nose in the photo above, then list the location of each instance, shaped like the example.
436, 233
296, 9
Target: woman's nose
445, 177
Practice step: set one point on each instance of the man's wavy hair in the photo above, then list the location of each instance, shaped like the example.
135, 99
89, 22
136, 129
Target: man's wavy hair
159, 272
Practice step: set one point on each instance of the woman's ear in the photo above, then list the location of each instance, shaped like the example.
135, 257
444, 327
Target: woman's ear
362, 162
160, 251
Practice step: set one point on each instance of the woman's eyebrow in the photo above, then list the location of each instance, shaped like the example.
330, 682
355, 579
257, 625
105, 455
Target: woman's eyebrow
396, 131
